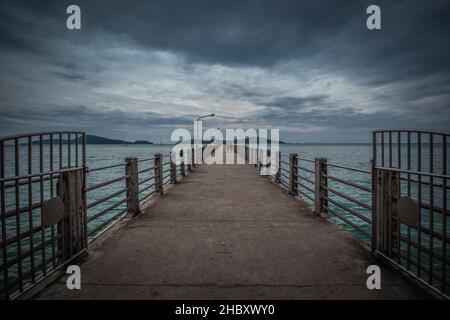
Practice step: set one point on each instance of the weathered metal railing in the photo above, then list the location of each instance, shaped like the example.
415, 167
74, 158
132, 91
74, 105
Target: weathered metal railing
412, 231
399, 206
136, 181
320, 184
34, 169
112, 203
52, 204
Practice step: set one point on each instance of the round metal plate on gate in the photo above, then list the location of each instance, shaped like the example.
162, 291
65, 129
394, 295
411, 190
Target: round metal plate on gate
408, 211
52, 211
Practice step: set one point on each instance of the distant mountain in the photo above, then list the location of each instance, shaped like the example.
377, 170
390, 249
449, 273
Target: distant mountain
142, 142
92, 139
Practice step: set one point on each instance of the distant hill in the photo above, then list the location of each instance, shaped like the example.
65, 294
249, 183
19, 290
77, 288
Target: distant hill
92, 139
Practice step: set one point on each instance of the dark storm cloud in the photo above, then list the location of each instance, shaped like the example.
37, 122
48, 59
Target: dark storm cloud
279, 63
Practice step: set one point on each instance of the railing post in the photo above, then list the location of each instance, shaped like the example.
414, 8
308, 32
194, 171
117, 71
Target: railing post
182, 169
173, 172
72, 222
132, 184
293, 174
159, 186
321, 183
246, 155
386, 220
278, 174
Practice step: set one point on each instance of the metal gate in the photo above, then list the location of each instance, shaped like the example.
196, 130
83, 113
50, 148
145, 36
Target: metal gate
410, 203
43, 206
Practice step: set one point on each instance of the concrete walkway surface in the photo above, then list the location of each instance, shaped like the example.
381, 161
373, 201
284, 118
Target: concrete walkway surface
225, 232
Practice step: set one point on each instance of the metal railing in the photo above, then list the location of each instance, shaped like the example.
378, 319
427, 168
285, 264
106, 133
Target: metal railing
31, 166
328, 188
415, 164
117, 201
408, 174
39, 170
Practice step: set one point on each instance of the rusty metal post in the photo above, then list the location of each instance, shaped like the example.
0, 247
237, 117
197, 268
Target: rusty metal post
173, 172
293, 174
132, 184
182, 169
387, 196
159, 187
246, 154
278, 174
321, 183
72, 225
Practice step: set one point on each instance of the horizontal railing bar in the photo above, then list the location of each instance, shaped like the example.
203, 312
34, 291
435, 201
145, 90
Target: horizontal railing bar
305, 159
147, 187
349, 198
305, 169
27, 253
413, 243
305, 195
14, 281
423, 267
284, 162
105, 183
101, 200
412, 131
349, 210
37, 134
39, 174
422, 173
22, 236
107, 222
306, 187
306, 179
436, 234
435, 184
147, 196
14, 212
284, 169
23, 182
354, 225
349, 183
146, 159
435, 209
147, 180
285, 176
349, 168
102, 212
88, 170
146, 170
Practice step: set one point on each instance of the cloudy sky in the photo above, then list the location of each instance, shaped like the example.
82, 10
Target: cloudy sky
139, 69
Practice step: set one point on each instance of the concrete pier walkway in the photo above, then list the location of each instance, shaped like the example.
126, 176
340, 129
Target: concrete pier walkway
224, 232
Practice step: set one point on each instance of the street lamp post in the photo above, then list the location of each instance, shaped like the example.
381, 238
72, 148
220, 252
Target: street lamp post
196, 150
208, 115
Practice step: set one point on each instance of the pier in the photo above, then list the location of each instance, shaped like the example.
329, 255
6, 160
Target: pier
225, 232
175, 230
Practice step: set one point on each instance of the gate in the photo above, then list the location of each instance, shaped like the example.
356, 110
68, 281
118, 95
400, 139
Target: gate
43, 206
410, 203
